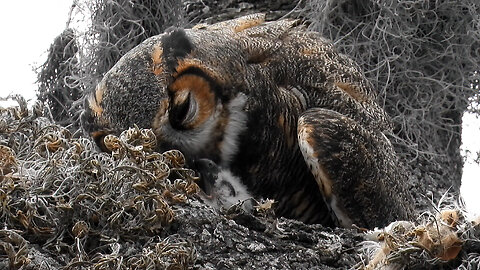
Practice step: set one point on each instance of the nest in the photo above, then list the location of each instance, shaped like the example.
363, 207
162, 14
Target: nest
91, 209
65, 205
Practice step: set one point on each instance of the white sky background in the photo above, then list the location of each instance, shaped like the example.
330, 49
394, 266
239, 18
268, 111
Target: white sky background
471, 172
29, 27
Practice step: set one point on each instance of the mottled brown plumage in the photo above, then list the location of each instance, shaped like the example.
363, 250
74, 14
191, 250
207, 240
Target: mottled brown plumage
271, 102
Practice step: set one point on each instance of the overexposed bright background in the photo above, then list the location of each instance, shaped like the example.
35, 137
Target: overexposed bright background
29, 27
471, 171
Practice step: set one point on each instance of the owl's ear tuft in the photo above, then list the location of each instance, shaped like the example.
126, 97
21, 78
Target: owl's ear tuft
176, 45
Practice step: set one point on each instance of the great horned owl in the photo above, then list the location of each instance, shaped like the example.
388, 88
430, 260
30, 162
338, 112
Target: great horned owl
273, 103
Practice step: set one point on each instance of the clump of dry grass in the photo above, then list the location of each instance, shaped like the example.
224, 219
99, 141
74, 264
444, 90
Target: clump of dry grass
92, 209
435, 240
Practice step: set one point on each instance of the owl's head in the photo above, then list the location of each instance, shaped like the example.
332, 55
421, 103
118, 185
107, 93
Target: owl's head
185, 84
190, 86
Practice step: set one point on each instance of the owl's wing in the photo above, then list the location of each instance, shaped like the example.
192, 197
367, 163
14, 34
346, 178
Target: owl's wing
355, 169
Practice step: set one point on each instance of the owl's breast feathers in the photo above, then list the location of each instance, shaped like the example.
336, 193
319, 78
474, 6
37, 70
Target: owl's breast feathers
233, 92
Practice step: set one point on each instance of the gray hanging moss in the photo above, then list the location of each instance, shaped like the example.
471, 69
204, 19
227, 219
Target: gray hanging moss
57, 86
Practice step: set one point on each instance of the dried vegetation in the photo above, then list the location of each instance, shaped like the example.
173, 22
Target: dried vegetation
60, 193
66, 205
445, 240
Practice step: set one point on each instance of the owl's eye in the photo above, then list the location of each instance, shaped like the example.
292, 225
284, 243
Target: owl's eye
192, 101
183, 110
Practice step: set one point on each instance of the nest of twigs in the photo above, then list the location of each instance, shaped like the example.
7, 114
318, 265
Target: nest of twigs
66, 205
87, 208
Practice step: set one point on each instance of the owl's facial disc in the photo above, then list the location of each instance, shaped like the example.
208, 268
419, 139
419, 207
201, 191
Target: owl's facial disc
189, 116
195, 120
